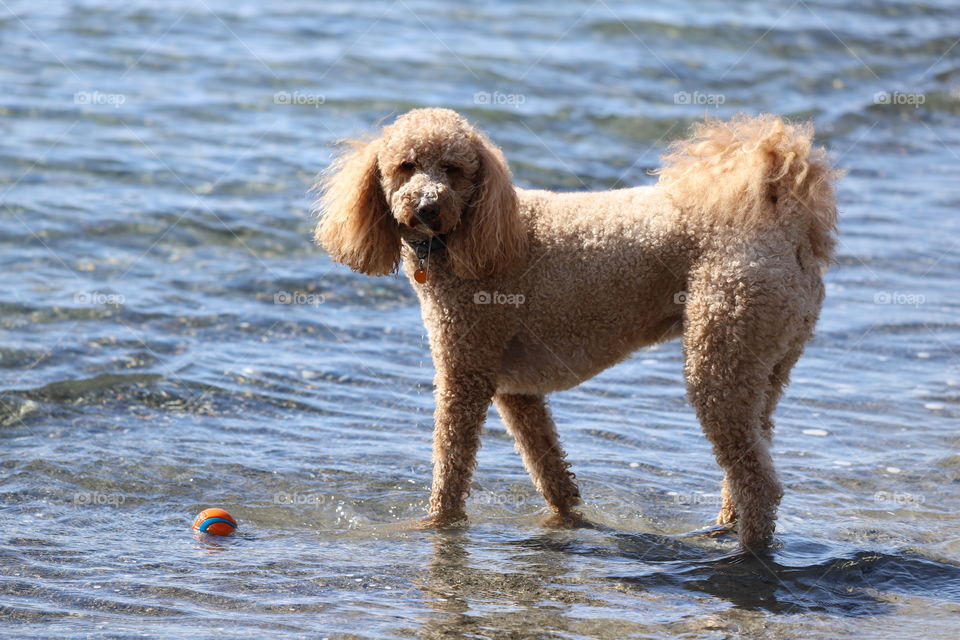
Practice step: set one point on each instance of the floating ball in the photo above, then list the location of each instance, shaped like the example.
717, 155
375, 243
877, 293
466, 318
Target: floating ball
215, 521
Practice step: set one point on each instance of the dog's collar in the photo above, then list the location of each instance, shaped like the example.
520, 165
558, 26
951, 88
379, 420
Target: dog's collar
425, 249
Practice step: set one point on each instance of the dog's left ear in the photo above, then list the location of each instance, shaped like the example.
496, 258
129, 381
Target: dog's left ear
489, 238
356, 226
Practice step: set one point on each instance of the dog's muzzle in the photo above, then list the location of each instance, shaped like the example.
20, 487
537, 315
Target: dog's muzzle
428, 214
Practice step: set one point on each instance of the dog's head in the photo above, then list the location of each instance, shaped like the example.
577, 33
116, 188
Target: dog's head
428, 174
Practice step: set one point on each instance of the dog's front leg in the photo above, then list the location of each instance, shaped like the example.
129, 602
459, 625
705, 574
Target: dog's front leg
463, 397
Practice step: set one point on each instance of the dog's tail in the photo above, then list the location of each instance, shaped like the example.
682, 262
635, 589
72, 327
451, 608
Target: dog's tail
755, 171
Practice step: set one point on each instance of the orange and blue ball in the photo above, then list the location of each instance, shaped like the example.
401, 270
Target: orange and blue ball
215, 521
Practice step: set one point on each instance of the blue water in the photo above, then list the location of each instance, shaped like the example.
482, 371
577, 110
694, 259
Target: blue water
172, 340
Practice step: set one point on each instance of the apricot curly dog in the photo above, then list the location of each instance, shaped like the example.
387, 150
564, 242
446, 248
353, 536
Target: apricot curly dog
526, 292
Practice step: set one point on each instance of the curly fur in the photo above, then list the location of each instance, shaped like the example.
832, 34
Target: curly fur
531, 292
358, 228
739, 170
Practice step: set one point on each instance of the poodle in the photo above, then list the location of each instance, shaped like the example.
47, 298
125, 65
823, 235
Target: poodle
525, 292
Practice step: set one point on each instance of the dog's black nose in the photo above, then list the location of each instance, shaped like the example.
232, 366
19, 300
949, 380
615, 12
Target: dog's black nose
428, 213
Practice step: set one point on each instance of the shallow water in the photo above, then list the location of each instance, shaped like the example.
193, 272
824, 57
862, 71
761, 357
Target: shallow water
171, 340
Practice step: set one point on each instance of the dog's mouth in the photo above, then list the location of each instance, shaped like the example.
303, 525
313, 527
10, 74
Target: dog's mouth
429, 224
419, 228
429, 228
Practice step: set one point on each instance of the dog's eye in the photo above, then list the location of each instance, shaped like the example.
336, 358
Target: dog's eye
408, 166
452, 169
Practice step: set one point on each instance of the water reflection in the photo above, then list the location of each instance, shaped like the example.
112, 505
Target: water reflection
518, 596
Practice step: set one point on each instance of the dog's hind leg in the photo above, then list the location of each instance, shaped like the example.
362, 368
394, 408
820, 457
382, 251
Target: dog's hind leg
528, 419
778, 378
734, 338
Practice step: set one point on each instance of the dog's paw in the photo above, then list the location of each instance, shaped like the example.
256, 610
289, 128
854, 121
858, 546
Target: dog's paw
713, 531
727, 516
567, 520
720, 529
435, 521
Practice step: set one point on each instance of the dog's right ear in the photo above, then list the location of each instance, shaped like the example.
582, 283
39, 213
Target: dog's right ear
491, 239
356, 226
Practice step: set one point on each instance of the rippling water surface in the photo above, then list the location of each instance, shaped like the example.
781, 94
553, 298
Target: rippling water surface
171, 339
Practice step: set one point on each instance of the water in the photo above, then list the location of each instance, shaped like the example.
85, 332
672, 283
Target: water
171, 339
